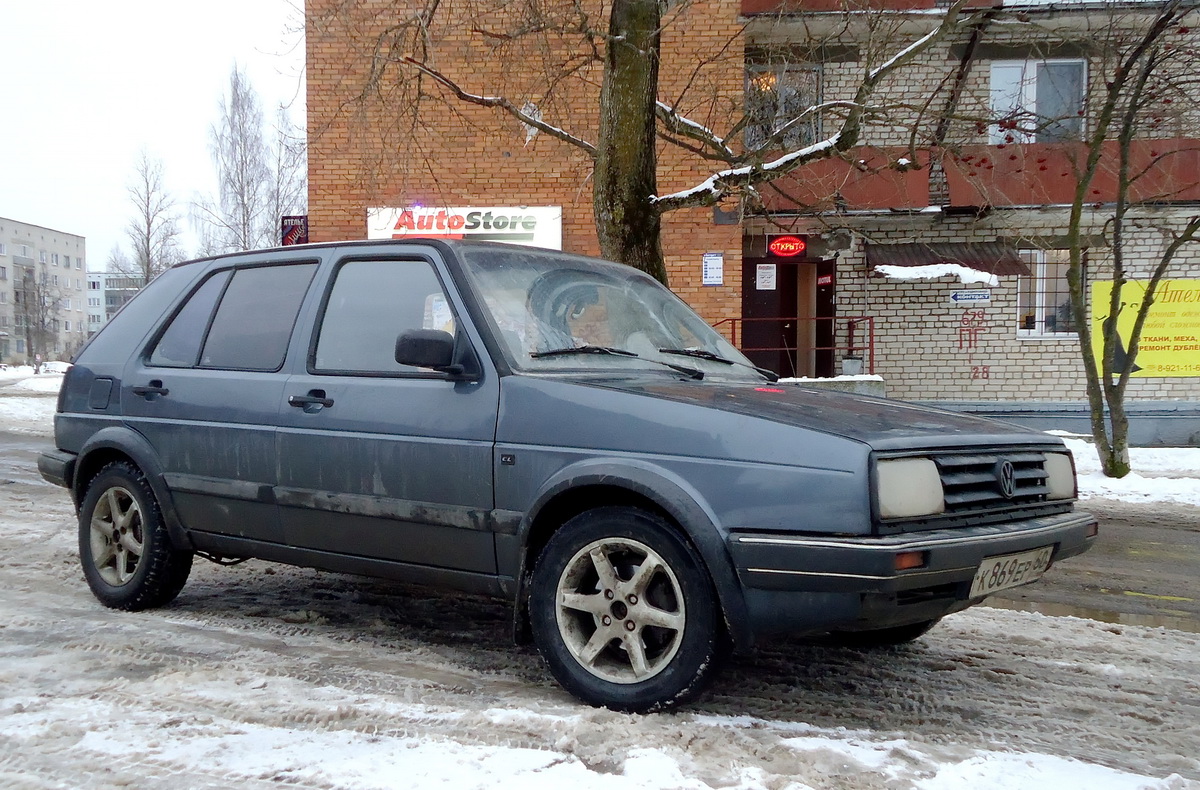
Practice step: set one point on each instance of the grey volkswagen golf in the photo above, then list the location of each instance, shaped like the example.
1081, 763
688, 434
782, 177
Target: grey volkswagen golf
556, 430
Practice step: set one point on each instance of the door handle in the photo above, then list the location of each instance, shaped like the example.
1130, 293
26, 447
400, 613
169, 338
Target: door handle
313, 398
148, 391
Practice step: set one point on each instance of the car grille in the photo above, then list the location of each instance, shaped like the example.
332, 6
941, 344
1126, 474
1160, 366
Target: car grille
974, 491
976, 482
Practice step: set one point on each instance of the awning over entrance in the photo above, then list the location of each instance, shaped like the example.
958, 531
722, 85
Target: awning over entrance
993, 257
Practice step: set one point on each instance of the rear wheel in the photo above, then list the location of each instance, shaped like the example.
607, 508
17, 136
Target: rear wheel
883, 637
127, 557
623, 611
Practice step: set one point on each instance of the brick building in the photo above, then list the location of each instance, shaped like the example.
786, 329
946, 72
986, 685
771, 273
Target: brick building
930, 184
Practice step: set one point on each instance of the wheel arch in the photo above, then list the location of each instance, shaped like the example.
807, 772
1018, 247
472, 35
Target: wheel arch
119, 443
594, 484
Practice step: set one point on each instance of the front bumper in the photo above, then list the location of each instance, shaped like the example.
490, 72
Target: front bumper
803, 584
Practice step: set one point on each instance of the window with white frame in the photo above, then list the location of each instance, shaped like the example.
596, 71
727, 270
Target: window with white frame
78, 262
54, 258
41, 256
1037, 101
1043, 297
3, 249
777, 97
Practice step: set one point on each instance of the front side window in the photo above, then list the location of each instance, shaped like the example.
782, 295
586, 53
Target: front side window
1044, 298
370, 305
1037, 101
778, 100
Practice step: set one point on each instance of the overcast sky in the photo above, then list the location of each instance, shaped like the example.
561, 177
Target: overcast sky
85, 84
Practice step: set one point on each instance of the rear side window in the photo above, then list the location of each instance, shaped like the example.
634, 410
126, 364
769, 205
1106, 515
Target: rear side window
370, 305
179, 347
254, 319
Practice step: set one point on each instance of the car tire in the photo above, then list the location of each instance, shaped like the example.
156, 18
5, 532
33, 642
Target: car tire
616, 631
127, 556
883, 637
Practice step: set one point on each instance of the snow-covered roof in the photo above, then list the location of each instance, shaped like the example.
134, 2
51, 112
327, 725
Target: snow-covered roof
935, 270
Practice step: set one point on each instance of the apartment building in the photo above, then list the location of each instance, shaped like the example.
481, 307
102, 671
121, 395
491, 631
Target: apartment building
933, 253
43, 313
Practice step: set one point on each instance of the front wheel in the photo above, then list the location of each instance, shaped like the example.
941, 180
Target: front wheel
624, 612
127, 557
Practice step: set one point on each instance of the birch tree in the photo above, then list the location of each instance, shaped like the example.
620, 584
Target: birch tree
153, 232
260, 174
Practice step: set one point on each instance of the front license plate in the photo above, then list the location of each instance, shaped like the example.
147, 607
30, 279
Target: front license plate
1010, 570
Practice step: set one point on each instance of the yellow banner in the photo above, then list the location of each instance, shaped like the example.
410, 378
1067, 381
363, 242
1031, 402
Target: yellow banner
1170, 343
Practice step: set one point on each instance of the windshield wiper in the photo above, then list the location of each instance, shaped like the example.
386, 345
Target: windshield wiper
616, 352
566, 350
700, 353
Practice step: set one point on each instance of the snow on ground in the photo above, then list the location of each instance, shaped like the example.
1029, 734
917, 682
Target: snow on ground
260, 676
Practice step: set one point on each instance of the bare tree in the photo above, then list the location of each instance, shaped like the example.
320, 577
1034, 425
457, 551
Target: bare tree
260, 176
38, 309
558, 44
153, 233
1148, 67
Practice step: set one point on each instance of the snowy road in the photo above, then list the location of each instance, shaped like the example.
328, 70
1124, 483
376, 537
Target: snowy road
266, 676
262, 675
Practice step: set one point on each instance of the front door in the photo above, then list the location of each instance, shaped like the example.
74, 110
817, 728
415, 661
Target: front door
770, 331
382, 460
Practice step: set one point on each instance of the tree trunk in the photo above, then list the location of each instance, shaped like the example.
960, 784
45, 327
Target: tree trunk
627, 224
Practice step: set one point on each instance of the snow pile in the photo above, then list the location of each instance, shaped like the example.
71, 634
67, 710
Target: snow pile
47, 382
935, 270
1166, 474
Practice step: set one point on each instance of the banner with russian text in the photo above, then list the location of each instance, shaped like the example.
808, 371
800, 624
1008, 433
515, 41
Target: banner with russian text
1170, 342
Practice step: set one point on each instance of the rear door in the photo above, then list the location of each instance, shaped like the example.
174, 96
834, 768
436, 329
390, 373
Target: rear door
206, 395
383, 460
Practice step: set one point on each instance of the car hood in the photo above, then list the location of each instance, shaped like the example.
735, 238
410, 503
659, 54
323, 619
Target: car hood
882, 423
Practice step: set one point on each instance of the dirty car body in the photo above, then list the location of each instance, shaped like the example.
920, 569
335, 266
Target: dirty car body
556, 430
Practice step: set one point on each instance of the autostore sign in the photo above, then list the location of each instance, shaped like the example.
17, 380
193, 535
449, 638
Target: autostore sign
538, 226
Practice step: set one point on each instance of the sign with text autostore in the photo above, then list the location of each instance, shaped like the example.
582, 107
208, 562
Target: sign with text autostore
538, 226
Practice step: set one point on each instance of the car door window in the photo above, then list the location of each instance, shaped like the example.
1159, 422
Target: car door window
256, 316
370, 305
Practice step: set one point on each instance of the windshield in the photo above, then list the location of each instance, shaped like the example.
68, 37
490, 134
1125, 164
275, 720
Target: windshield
543, 304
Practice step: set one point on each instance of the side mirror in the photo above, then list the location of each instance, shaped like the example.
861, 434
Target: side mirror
428, 348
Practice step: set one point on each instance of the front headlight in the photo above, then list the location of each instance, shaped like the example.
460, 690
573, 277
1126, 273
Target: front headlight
1060, 476
909, 487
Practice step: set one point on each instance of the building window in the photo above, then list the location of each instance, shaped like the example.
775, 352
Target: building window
93, 285
777, 97
41, 256
1044, 298
3, 272
1038, 101
3, 249
54, 258
66, 326
79, 262
24, 250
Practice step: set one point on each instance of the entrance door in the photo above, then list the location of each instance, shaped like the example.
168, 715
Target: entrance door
769, 311
789, 328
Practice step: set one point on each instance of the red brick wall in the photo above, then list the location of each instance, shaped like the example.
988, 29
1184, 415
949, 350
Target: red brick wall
363, 153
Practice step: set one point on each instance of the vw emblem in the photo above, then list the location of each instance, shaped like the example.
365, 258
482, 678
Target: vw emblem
1008, 479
